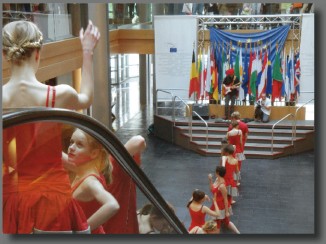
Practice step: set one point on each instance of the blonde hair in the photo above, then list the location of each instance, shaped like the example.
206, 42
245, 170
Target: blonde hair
235, 115
209, 225
20, 39
104, 165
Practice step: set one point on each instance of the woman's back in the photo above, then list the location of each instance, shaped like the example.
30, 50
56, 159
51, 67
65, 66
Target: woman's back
33, 93
24, 94
197, 216
37, 192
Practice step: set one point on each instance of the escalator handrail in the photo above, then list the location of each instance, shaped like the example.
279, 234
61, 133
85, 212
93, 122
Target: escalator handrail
110, 143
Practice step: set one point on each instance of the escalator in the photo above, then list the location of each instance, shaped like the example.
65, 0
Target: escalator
41, 124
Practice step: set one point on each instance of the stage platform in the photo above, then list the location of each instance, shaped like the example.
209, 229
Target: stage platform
247, 111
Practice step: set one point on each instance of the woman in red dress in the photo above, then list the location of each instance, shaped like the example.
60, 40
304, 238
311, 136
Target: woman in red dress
198, 211
218, 188
234, 137
232, 172
36, 188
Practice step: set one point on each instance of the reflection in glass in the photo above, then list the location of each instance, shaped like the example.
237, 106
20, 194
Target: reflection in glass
45, 166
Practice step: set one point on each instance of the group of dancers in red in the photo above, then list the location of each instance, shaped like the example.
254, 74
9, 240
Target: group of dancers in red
225, 186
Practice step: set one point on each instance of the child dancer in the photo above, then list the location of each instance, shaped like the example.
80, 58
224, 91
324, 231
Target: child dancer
198, 211
219, 190
234, 137
92, 174
232, 172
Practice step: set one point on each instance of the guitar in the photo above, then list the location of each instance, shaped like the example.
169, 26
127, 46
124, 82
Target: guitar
229, 88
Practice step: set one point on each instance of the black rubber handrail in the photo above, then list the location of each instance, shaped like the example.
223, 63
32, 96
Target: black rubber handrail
110, 142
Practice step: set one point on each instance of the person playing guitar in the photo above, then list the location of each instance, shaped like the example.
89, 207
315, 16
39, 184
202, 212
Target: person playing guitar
230, 91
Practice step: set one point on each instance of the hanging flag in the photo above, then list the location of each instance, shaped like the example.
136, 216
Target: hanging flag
193, 86
238, 71
297, 74
244, 85
253, 76
291, 67
241, 91
259, 66
208, 71
277, 78
237, 65
290, 76
225, 67
263, 79
214, 75
219, 59
251, 60
201, 81
217, 70
286, 88
269, 75
230, 57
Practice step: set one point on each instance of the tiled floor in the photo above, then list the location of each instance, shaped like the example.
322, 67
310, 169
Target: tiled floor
276, 196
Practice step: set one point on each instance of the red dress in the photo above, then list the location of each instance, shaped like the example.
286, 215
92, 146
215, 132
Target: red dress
92, 206
244, 128
36, 188
234, 137
124, 190
221, 206
231, 184
197, 218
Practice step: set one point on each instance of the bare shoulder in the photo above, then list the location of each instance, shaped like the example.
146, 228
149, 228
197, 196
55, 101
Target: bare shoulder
66, 96
66, 90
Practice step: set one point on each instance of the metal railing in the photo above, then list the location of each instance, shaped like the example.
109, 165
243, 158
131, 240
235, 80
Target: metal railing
174, 97
173, 112
272, 148
164, 91
190, 119
194, 112
295, 116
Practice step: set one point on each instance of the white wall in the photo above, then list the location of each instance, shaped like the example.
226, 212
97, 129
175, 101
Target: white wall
307, 56
172, 69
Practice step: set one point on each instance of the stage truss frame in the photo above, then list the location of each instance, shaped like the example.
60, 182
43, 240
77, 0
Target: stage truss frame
245, 21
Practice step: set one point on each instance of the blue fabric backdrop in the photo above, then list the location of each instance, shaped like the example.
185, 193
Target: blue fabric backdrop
221, 40
269, 37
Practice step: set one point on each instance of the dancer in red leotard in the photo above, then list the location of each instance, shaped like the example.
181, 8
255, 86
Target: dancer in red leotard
232, 172
219, 190
36, 188
198, 211
235, 116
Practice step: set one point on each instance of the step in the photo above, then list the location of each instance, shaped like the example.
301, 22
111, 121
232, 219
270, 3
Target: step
279, 131
248, 146
248, 154
212, 123
259, 141
251, 138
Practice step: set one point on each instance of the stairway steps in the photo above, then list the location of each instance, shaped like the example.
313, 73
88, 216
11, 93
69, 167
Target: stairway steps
248, 153
251, 138
184, 122
218, 130
259, 141
249, 146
